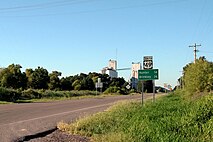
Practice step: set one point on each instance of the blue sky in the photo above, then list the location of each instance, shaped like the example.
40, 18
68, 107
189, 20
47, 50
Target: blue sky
74, 36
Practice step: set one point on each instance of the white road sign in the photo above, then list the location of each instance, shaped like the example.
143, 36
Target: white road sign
147, 62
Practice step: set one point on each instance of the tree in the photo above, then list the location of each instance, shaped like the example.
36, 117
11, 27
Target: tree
76, 85
54, 80
38, 79
118, 82
87, 84
12, 77
66, 83
29, 74
198, 77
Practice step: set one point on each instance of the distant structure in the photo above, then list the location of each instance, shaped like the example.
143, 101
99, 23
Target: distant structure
1, 69
111, 70
113, 64
135, 67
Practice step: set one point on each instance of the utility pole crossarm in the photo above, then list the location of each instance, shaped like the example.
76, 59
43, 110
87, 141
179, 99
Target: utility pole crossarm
195, 50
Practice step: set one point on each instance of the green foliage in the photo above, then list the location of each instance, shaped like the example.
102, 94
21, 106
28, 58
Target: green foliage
66, 83
66, 94
12, 77
87, 84
76, 85
38, 79
198, 77
169, 119
9, 95
30, 94
54, 83
115, 89
117, 82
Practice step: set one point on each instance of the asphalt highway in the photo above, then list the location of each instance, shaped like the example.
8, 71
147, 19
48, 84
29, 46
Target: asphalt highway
19, 120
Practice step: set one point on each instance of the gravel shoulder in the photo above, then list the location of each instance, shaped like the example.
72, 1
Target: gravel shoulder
59, 136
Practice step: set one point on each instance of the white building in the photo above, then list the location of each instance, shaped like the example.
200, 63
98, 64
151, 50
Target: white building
111, 69
112, 64
135, 68
112, 73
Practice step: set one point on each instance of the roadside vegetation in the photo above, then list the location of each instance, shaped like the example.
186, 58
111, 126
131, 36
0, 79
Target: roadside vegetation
33, 95
197, 77
183, 115
171, 118
39, 84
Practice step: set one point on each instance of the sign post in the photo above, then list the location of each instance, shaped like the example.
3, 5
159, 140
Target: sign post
99, 84
148, 74
142, 92
153, 82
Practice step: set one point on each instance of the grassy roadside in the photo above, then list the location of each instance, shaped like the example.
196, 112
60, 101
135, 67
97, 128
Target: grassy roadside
62, 98
171, 118
41, 95
4, 102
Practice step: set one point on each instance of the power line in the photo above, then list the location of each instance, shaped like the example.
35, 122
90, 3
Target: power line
205, 51
86, 11
205, 28
43, 5
196, 31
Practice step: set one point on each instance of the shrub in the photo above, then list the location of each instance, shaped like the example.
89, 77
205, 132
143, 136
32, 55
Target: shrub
12, 95
198, 76
30, 94
113, 89
9, 95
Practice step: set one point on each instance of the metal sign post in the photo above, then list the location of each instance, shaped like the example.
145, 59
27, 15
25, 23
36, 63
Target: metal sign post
148, 73
96, 86
153, 90
142, 93
145, 75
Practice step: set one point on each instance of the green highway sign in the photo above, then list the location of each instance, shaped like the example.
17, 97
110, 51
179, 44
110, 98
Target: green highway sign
149, 74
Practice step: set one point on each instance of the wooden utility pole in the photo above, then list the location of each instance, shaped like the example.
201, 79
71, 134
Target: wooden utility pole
195, 50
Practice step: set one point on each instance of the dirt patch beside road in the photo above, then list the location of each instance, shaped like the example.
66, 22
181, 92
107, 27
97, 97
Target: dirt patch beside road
59, 136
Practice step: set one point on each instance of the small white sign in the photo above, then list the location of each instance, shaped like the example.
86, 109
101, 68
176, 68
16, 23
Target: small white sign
128, 87
99, 85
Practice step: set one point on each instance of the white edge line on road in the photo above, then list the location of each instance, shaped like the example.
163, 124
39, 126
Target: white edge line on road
62, 113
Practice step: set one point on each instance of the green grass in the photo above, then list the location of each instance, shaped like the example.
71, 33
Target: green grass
61, 98
33, 95
171, 118
4, 102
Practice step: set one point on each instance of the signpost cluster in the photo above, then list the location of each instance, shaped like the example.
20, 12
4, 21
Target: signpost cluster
148, 73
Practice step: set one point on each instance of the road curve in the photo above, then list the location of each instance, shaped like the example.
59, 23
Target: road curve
18, 120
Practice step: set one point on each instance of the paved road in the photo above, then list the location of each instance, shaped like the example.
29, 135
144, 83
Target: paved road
18, 120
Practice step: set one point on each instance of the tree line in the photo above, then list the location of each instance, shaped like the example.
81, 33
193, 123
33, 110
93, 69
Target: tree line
197, 77
39, 78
